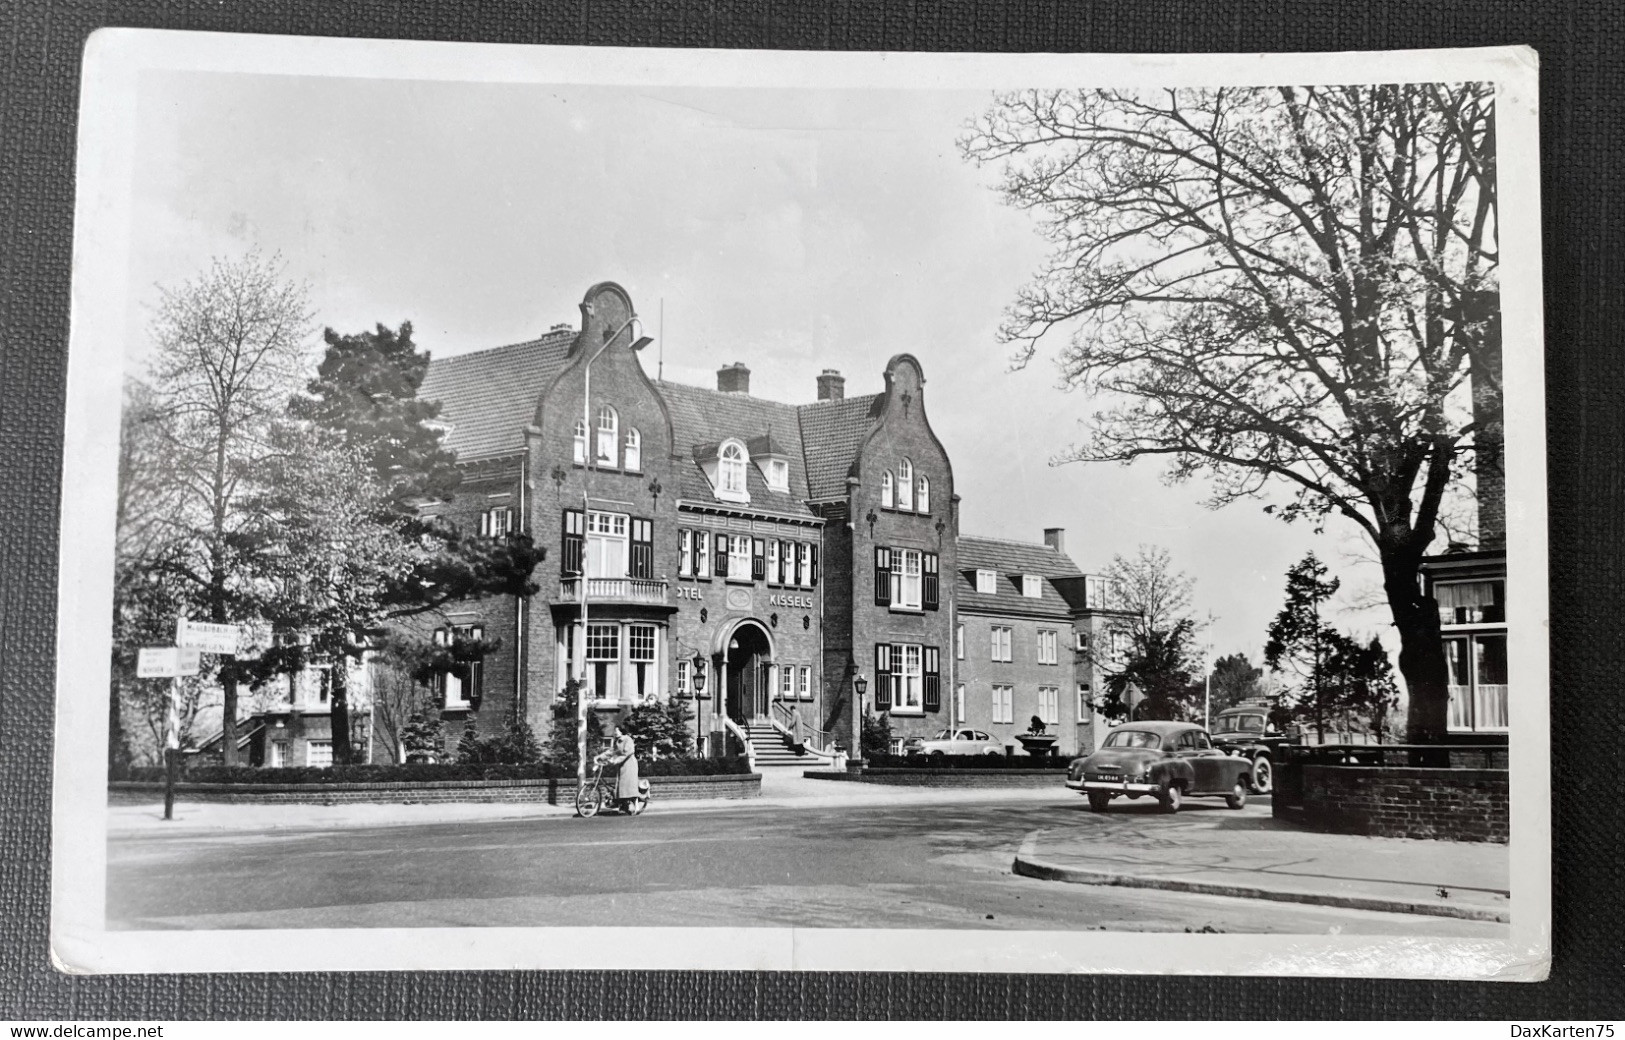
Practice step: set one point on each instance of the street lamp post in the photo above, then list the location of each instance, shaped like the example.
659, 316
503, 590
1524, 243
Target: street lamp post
860, 686
699, 694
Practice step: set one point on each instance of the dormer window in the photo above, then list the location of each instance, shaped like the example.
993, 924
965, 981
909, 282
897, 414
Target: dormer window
778, 474
608, 434
987, 581
731, 468
905, 484
1032, 586
886, 490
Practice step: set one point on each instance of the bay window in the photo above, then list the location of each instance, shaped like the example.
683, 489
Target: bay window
603, 660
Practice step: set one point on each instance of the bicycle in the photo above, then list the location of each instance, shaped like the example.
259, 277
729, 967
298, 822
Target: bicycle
595, 796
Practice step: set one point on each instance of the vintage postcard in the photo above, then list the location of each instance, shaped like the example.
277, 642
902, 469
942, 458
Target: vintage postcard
600, 508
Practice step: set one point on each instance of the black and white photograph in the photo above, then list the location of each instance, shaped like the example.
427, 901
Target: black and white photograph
582, 507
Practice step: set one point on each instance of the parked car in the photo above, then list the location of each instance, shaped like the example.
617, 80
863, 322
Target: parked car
953, 742
1245, 730
1169, 761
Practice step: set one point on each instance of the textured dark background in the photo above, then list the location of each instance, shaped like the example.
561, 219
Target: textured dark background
1582, 47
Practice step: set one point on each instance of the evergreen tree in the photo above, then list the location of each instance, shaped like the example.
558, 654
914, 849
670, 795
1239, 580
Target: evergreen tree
1234, 680
1302, 644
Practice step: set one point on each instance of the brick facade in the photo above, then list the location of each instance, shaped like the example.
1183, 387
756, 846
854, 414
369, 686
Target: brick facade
1454, 804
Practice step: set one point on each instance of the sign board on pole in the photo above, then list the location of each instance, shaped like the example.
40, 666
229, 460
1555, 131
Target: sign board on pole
207, 637
166, 662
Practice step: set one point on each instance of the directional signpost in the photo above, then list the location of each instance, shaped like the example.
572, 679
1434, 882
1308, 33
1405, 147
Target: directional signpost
192, 640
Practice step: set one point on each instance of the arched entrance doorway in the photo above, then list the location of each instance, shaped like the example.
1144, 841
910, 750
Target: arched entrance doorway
748, 653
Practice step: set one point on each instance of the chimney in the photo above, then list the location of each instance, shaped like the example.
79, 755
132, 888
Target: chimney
1055, 538
733, 379
831, 385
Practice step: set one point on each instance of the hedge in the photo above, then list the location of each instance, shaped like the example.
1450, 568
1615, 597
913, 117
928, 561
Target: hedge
420, 772
1023, 761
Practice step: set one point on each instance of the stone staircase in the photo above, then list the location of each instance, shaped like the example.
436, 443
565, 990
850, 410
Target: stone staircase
773, 752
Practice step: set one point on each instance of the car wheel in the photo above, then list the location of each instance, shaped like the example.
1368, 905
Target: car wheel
1237, 799
994, 754
1098, 801
937, 757
1171, 798
1263, 775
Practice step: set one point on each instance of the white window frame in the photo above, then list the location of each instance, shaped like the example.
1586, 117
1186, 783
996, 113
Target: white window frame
608, 440
311, 756
775, 569
1085, 703
907, 579
905, 484
1049, 705
612, 673
1047, 648
606, 530
1001, 643
959, 703
496, 522
702, 554
1003, 703
685, 553
888, 498
804, 682
959, 641
922, 494
987, 581
580, 442
804, 570
778, 474
739, 557
632, 450
682, 677
1121, 647
908, 687
278, 754
787, 682
731, 459
1464, 706
1032, 586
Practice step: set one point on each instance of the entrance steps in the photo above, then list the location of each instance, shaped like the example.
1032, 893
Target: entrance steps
773, 751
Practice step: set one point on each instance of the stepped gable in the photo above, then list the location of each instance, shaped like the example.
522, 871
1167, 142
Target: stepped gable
490, 396
702, 419
831, 432
1011, 560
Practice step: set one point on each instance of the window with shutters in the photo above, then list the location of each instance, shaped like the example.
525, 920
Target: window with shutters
1049, 704
1047, 646
607, 544
906, 579
932, 682
1000, 643
643, 549
496, 522
905, 484
931, 583
775, 572
739, 558
460, 688
887, 492
758, 559
722, 541
805, 558
572, 549
609, 430
685, 554
910, 685
883, 676
1004, 703
702, 554
883, 561
632, 450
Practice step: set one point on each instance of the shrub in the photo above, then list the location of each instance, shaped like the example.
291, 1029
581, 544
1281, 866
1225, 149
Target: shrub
516, 746
876, 735
661, 731
424, 772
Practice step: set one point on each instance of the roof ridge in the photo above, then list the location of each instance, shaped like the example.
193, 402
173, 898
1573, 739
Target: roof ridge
1011, 541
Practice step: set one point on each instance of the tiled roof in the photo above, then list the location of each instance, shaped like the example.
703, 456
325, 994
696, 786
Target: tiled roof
489, 396
703, 418
1011, 560
830, 433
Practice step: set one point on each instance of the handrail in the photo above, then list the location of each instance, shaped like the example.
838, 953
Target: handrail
750, 749
794, 728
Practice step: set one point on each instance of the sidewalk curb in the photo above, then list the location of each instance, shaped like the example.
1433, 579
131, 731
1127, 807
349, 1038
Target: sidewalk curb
1028, 866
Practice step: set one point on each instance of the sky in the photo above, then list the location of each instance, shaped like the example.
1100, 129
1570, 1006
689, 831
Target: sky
792, 230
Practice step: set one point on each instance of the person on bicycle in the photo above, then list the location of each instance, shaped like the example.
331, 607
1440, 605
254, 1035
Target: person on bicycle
623, 755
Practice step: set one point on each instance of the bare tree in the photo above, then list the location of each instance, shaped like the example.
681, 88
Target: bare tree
230, 348
1277, 289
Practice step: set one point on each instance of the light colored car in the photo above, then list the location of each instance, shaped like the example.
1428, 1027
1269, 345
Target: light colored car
1165, 760
953, 742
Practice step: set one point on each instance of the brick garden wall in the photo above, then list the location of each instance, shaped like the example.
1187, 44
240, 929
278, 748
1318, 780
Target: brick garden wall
553, 792
1452, 804
948, 778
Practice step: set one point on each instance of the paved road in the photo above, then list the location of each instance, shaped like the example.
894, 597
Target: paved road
914, 866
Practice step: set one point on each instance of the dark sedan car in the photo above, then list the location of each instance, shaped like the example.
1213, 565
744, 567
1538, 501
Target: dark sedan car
1165, 760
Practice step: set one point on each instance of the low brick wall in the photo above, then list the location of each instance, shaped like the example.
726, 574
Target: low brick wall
553, 792
949, 777
1395, 802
